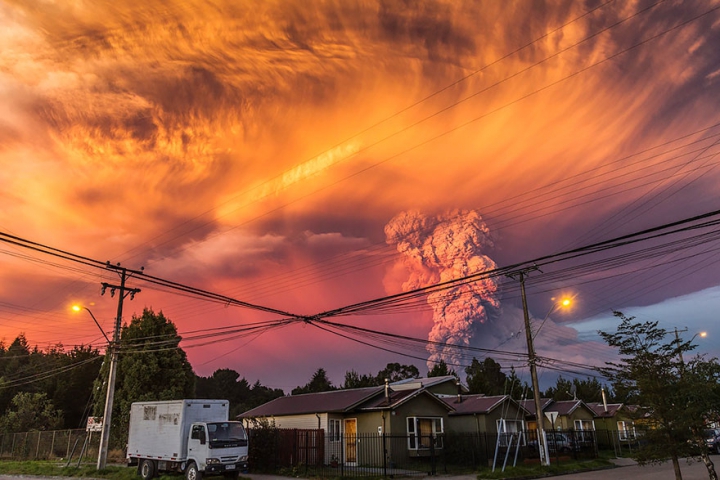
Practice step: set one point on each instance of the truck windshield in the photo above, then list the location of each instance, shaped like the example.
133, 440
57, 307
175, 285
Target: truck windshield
227, 434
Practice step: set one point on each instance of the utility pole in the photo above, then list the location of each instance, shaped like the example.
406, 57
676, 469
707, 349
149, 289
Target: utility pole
542, 445
677, 339
113, 348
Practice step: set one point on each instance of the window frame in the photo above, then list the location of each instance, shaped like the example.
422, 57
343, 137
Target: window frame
627, 431
581, 431
504, 434
415, 437
335, 430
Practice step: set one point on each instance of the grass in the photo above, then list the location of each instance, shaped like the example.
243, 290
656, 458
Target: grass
59, 469
537, 471
49, 468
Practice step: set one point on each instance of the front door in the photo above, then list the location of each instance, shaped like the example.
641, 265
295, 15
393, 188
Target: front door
350, 440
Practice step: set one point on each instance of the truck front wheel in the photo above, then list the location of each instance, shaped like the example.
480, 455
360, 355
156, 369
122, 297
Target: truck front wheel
192, 472
147, 469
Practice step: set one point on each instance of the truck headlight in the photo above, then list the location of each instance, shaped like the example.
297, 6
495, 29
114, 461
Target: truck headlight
212, 461
244, 458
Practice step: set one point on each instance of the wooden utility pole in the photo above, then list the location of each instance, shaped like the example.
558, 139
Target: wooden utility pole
540, 417
113, 347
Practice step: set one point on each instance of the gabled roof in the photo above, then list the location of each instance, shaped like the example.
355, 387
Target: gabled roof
398, 398
529, 405
333, 401
566, 407
600, 411
417, 383
478, 404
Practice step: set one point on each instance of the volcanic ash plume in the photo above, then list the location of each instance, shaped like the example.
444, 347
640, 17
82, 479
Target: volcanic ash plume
440, 248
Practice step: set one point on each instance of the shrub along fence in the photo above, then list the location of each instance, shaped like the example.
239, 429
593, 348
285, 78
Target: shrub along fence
50, 445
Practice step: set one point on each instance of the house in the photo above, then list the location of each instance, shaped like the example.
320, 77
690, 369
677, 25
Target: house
500, 416
531, 420
354, 419
565, 415
482, 414
614, 421
571, 415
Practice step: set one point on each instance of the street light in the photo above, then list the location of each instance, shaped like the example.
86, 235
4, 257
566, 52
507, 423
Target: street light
562, 303
677, 340
77, 308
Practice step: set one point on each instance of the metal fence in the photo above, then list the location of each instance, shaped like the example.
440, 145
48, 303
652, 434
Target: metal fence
311, 452
50, 445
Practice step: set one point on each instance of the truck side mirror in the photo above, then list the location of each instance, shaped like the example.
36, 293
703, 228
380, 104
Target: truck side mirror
202, 437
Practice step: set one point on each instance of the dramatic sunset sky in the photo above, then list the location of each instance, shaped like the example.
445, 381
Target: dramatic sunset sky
310, 155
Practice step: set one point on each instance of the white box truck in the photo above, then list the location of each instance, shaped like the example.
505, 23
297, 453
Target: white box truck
193, 437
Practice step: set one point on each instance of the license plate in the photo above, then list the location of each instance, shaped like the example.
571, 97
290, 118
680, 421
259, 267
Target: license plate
229, 467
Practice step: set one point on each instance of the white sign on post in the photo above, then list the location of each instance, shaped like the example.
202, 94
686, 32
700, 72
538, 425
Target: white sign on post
552, 416
94, 424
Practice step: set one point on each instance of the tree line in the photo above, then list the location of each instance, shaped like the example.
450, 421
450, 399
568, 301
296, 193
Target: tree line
60, 387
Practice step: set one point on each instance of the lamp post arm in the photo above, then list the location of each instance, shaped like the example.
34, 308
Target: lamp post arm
98, 324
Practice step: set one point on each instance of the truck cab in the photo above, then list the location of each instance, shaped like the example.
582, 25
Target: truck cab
217, 448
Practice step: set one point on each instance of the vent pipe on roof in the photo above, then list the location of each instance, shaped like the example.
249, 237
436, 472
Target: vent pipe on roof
387, 390
602, 390
459, 390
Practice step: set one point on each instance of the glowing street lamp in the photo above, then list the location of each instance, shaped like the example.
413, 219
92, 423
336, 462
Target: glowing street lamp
77, 308
565, 302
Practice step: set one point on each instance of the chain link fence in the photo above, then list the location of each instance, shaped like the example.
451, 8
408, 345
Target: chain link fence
50, 445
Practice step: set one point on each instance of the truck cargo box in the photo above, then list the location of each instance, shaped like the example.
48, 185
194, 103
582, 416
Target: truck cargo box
159, 430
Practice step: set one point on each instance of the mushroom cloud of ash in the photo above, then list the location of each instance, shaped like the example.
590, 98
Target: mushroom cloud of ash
440, 248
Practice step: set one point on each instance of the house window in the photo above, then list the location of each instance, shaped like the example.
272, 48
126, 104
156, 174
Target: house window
334, 430
584, 429
510, 428
626, 430
424, 430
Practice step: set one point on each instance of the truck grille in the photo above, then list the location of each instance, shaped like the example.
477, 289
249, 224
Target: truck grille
229, 459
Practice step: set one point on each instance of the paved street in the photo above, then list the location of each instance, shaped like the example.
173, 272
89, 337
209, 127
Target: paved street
694, 471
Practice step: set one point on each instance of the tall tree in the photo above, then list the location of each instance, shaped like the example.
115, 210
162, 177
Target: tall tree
16, 365
73, 393
395, 372
152, 366
441, 369
674, 394
355, 380
260, 394
318, 383
517, 389
486, 377
31, 411
560, 391
226, 383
